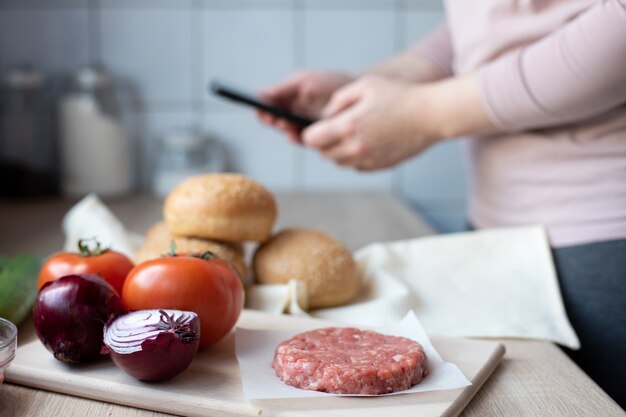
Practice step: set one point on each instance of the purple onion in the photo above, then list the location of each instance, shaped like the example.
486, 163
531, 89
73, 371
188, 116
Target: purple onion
153, 345
70, 314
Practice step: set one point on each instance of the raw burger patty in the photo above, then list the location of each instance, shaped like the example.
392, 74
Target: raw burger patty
350, 361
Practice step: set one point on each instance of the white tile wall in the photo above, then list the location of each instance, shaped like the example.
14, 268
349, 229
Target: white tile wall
55, 40
255, 150
157, 123
349, 40
151, 48
435, 180
169, 49
248, 48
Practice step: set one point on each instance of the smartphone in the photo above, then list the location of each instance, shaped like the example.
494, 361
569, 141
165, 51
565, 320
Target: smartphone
250, 100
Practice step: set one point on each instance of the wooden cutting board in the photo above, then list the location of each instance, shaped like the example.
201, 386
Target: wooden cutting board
211, 386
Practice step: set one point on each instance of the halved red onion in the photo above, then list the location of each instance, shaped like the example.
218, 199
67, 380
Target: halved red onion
153, 345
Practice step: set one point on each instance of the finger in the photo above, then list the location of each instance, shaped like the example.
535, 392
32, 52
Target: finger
328, 132
286, 125
342, 99
283, 93
344, 152
266, 117
294, 137
360, 164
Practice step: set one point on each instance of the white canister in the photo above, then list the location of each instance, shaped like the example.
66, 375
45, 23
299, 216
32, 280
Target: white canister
95, 146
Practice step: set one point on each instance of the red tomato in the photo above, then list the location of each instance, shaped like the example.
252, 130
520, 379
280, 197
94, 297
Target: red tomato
209, 287
111, 265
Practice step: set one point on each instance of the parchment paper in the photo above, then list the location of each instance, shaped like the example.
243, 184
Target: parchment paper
255, 352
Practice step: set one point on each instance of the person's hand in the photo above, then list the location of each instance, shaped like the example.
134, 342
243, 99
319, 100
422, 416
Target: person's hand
373, 123
376, 123
305, 93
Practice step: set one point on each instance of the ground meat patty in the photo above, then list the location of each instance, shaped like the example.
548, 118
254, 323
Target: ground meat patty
350, 361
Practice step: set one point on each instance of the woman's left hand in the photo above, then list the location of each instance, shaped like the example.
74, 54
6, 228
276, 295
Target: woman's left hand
373, 123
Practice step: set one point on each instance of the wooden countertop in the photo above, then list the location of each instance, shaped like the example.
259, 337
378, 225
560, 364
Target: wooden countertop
535, 378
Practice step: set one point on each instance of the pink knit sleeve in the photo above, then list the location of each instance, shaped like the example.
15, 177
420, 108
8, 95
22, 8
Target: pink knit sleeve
574, 73
437, 48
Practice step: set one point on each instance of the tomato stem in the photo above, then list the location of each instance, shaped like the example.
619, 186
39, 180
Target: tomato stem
85, 249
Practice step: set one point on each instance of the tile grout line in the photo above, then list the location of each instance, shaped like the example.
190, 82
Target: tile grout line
299, 45
95, 40
197, 18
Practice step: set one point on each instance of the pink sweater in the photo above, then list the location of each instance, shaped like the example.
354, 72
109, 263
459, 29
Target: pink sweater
553, 76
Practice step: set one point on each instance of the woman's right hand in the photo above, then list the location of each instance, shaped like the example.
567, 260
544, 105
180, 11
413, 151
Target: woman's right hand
305, 93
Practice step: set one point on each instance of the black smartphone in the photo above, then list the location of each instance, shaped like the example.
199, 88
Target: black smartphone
248, 99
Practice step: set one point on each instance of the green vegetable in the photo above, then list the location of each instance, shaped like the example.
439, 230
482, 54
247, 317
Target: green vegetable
18, 286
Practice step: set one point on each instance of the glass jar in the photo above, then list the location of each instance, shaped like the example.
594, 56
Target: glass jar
182, 154
95, 142
8, 344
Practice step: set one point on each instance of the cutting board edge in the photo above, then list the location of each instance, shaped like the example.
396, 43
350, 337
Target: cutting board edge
478, 381
23, 376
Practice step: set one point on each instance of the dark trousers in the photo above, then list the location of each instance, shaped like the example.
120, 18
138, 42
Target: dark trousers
593, 284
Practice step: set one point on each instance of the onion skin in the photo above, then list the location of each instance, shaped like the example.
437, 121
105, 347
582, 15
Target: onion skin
70, 314
161, 355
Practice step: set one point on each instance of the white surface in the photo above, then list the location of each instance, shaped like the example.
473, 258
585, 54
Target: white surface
255, 347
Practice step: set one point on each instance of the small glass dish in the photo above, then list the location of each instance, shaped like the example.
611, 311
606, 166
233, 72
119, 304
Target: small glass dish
8, 344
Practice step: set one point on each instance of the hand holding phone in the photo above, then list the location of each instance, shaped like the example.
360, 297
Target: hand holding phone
247, 99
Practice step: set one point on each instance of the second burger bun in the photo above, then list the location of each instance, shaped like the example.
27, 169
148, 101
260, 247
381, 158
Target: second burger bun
158, 243
223, 206
325, 265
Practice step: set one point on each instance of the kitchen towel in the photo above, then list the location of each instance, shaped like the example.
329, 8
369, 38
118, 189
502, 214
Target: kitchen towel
90, 218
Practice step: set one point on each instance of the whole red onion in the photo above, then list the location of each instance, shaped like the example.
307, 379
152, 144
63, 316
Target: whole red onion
70, 314
153, 345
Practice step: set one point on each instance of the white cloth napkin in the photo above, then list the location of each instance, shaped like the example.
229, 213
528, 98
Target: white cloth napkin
91, 218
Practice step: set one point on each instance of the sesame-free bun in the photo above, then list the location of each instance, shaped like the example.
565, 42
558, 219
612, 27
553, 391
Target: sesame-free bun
325, 265
226, 207
158, 243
